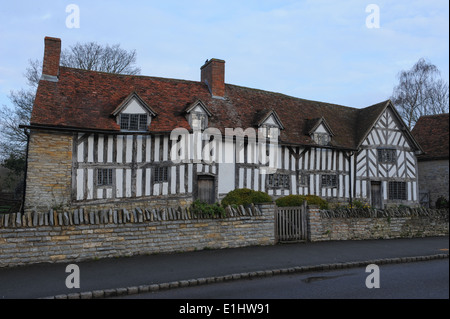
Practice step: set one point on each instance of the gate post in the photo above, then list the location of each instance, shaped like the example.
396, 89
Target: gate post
314, 223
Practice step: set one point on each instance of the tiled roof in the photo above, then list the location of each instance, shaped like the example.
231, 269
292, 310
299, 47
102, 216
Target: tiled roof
85, 100
431, 132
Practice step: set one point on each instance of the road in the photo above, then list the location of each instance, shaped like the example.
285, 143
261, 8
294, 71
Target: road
417, 280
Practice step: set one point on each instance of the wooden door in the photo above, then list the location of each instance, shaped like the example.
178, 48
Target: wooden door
206, 190
376, 196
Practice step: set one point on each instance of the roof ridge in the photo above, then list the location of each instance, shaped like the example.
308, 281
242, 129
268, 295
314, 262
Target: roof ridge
292, 97
129, 75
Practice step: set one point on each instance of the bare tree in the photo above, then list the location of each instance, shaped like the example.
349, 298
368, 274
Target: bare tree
88, 56
420, 92
92, 56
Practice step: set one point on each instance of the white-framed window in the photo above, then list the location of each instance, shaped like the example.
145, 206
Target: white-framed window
133, 122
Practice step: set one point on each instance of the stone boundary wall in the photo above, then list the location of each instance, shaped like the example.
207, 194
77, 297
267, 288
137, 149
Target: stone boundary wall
81, 235
359, 224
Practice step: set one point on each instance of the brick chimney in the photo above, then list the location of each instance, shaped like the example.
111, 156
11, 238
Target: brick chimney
213, 74
52, 53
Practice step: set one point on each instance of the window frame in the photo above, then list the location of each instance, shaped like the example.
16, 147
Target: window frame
387, 155
103, 174
200, 117
279, 180
321, 138
141, 119
160, 174
397, 190
329, 181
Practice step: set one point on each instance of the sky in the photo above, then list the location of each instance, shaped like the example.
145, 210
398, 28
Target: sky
342, 52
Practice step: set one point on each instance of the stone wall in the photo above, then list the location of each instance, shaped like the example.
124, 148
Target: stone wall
49, 170
434, 179
358, 224
82, 235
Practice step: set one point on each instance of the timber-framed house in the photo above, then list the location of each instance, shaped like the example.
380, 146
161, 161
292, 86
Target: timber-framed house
102, 140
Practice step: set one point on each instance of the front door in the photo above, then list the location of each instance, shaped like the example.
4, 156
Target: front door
375, 192
206, 190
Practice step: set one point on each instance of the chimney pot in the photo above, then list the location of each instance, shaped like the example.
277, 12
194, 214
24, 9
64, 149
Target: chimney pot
52, 54
213, 74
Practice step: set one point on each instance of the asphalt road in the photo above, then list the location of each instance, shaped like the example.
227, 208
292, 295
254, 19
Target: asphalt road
417, 280
42, 280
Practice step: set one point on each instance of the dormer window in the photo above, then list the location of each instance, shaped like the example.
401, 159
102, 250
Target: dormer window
269, 124
198, 115
198, 121
321, 138
320, 132
270, 131
133, 114
134, 122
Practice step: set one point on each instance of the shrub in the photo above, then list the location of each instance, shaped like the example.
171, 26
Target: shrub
200, 207
442, 202
358, 204
290, 200
297, 200
245, 196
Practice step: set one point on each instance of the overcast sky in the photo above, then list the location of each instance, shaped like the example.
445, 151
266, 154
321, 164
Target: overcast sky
318, 50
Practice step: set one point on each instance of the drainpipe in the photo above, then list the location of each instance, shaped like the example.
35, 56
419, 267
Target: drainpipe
26, 170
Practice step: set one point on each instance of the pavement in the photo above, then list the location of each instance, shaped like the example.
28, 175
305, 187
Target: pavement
139, 274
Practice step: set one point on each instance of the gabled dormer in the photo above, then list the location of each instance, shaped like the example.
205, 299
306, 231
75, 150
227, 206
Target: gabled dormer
320, 132
133, 114
197, 115
269, 124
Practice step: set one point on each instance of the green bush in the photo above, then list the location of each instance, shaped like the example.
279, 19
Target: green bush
297, 200
200, 207
245, 196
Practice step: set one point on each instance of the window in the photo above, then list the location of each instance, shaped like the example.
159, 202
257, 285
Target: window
322, 138
270, 131
198, 121
329, 180
104, 176
278, 180
133, 122
387, 156
161, 174
303, 180
397, 190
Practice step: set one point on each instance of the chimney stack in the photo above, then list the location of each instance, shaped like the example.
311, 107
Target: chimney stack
213, 74
52, 54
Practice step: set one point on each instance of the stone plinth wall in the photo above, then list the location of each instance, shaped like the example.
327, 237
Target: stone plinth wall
83, 235
358, 224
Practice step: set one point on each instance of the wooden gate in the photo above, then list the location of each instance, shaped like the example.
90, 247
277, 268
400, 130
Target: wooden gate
290, 224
